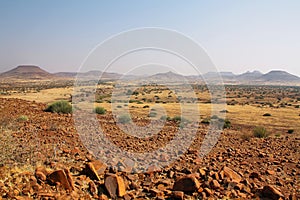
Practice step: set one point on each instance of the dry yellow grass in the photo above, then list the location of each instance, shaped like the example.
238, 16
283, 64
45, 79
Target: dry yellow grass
282, 119
44, 96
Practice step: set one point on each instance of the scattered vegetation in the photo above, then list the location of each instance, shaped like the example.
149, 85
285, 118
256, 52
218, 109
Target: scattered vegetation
100, 110
260, 132
167, 118
179, 119
60, 107
277, 135
206, 121
152, 114
226, 122
246, 136
22, 118
124, 119
290, 131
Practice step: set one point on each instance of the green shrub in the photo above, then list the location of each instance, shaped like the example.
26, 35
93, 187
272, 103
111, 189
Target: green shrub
227, 123
260, 132
267, 115
146, 106
100, 110
60, 107
206, 121
22, 118
290, 131
124, 119
180, 119
152, 114
167, 118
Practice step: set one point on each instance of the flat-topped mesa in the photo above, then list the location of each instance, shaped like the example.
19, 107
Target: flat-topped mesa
27, 72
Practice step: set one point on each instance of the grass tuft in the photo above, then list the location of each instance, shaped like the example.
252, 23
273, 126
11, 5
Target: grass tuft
60, 107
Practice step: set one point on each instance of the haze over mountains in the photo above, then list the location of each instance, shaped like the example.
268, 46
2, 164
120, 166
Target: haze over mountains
275, 77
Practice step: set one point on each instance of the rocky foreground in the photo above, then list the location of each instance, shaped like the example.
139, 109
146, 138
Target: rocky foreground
42, 157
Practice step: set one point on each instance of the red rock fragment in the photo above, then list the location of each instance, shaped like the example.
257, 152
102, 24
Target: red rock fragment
234, 176
61, 177
272, 193
115, 186
187, 183
91, 172
178, 195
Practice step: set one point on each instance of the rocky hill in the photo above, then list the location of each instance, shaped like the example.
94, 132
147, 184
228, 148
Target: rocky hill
26, 72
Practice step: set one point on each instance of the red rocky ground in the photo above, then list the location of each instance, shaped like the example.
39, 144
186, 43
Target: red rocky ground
56, 165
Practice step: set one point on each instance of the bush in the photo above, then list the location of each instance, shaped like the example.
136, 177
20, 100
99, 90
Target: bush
227, 123
290, 131
59, 107
152, 114
167, 118
146, 106
260, 132
179, 119
205, 121
267, 115
224, 111
100, 110
124, 119
246, 136
22, 118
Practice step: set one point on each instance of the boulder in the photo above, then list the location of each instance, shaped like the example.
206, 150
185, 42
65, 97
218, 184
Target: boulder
187, 183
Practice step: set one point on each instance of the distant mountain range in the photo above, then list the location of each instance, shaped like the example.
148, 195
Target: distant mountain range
275, 77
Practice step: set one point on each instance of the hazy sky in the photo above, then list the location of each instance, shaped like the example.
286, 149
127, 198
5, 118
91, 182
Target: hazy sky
238, 35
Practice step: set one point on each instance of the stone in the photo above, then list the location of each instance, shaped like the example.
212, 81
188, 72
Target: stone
215, 184
208, 191
99, 167
40, 176
271, 192
91, 172
103, 197
63, 178
188, 183
93, 188
202, 172
270, 172
156, 193
115, 186
254, 175
41, 173
234, 176
178, 195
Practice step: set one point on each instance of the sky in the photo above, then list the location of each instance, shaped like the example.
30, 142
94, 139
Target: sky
237, 35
